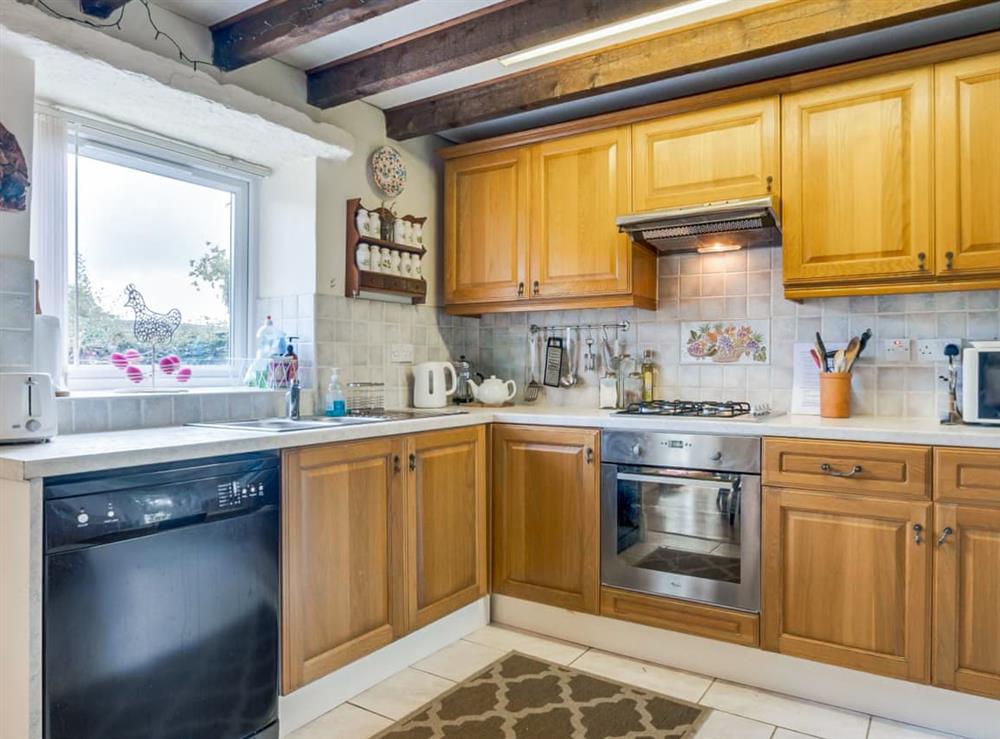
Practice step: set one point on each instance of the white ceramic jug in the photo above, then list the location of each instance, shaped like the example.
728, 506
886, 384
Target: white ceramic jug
429, 387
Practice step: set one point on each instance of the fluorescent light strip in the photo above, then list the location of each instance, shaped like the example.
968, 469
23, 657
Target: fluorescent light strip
612, 30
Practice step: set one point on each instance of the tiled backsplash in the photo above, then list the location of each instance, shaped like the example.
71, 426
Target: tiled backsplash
747, 284
357, 336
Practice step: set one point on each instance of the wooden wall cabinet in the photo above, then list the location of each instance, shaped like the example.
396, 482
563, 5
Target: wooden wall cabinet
967, 171
967, 571
546, 515
379, 538
723, 153
446, 518
486, 227
533, 228
847, 580
857, 162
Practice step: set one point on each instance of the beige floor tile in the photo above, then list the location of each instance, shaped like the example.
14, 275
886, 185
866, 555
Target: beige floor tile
720, 725
883, 728
402, 693
684, 685
786, 734
460, 660
789, 713
343, 722
552, 650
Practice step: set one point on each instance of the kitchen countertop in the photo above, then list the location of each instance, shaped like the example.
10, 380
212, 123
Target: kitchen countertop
109, 450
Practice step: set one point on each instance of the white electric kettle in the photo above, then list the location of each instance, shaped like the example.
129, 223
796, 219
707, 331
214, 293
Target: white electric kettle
429, 387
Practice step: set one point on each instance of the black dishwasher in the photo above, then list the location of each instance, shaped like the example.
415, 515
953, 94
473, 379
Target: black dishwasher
161, 601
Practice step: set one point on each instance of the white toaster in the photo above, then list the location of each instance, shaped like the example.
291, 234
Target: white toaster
27, 408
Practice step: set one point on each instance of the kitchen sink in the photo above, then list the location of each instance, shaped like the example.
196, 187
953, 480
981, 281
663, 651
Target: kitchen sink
305, 423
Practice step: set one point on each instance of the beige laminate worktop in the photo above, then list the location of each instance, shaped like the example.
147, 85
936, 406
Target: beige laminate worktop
109, 450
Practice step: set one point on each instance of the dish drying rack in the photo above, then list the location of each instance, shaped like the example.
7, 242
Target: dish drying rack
365, 398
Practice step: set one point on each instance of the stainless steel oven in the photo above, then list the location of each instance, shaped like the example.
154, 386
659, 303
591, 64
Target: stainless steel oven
680, 516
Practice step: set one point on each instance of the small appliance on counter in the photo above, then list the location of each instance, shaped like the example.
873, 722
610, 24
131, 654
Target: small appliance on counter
429, 387
464, 375
494, 391
981, 382
27, 408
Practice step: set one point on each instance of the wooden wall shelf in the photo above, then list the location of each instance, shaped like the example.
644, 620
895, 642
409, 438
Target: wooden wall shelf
358, 281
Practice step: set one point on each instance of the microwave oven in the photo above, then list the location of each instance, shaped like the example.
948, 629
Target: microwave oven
981, 382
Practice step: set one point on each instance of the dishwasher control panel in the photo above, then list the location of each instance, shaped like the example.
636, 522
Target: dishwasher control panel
95, 516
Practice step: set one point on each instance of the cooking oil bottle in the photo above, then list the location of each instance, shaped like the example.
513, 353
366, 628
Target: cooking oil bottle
648, 369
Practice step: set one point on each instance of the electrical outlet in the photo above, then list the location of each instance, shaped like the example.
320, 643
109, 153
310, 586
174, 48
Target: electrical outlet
401, 353
896, 351
932, 350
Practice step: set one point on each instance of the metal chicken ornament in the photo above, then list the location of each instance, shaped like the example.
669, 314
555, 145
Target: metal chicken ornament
151, 327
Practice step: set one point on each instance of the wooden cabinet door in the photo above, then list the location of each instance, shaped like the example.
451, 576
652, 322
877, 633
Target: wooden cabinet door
705, 156
967, 158
967, 599
546, 511
342, 521
446, 522
857, 192
579, 185
486, 227
846, 582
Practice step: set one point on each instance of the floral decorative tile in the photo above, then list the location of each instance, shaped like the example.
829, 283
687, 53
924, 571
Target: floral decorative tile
726, 342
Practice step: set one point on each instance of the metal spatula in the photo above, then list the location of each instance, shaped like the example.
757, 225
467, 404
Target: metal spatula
533, 388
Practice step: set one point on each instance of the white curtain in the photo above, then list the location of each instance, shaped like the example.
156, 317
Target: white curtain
49, 223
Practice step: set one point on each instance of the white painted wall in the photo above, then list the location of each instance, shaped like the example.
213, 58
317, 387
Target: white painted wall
339, 181
17, 106
287, 240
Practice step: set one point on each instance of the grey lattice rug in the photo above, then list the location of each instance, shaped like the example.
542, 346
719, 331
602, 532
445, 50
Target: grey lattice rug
521, 697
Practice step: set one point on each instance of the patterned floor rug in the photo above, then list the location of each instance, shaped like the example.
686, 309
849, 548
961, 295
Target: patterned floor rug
521, 697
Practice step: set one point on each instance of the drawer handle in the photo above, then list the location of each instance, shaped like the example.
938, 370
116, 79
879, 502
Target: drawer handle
835, 473
921, 261
917, 531
520, 289
944, 535
949, 257
534, 287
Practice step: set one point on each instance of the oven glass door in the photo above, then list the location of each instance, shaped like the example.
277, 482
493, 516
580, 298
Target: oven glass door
682, 533
989, 386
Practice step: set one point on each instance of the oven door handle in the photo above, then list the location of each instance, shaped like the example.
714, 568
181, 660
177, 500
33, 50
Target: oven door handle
712, 483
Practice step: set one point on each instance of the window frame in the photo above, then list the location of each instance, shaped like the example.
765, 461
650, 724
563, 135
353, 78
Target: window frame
136, 150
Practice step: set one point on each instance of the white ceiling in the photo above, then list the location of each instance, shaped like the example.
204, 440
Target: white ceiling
415, 17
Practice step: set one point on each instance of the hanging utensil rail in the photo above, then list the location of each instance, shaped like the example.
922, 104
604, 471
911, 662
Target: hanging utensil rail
621, 326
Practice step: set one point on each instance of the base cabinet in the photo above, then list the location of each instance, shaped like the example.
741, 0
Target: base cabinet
446, 521
342, 525
546, 512
847, 580
379, 538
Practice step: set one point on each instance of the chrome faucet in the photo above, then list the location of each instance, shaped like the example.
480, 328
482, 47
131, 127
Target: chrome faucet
292, 400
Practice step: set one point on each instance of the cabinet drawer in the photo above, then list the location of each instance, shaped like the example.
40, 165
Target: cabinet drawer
689, 618
967, 476
849, 467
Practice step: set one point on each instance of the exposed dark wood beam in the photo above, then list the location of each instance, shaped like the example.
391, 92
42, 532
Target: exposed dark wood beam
492, 32
101, 8
278, 25
749, 34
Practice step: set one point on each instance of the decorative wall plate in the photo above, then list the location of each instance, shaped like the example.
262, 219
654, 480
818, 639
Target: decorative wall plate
726, 342
13, 173
388, 171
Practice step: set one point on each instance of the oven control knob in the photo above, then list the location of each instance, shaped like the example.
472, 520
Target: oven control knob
82, 518
636, 450
717, 457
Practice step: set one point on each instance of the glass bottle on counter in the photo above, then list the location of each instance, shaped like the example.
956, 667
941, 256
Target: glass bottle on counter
648, 370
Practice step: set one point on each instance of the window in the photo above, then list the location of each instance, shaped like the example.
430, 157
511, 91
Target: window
176, 228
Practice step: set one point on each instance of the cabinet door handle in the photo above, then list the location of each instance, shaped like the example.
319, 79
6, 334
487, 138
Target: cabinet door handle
589, 455
949, 259
395, 464
770, 181
836, 473
948, 531
921, 261
520, 289
918, 530
413, 463
534, 287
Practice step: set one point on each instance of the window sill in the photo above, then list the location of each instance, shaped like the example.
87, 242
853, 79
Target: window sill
186, 392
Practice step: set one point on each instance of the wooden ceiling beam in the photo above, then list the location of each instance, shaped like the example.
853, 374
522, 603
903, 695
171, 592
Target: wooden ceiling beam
750, 34
101, 8
489, 33
275, 26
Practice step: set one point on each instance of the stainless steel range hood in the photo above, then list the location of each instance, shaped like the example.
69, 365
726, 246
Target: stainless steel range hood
713, 227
